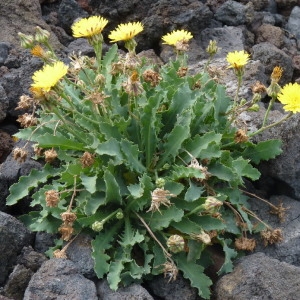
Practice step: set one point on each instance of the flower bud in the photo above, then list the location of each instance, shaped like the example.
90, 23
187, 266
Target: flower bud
97, 226
175, 243
254, 107
119, 215
160, 182
212, 48
27, 41
41, 35
211, 204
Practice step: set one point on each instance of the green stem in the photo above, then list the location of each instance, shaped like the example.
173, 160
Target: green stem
268, 111
194, 211
271, 125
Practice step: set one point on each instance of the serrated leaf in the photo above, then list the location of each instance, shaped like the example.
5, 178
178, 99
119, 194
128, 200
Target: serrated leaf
195, 274
49, 140
22, 188
207, 222
197, 146
186, 172
89, 182
131, 155
244, 169
130, 236
93, 202
112, 192
193, 192
221, 171
230, 254
111, 148
158, 221
264, 150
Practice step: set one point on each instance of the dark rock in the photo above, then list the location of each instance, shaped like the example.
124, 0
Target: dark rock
17, 282
173, 290
233, 13
6, 145
271, 56
59, 279
43, 241
132, 292
4, 50
13, 237
257, 276
80, 252
293, 24
68, 12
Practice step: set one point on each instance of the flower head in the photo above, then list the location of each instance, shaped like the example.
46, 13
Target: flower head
176, 36
49, 76
237, 59
125, 32
289, 96
276, 73
88, 27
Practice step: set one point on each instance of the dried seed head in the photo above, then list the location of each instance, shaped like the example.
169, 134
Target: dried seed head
50, 155
280, 211
182, 71
196, 165
37, 150
87, 159
160, 197
176, 243
19, 154
182, 46
170, 270
133, 85
258, 88
52, 198
245, 244
117, 68
25, 102
59, 253
66, 231
240, 136
152, 77
270, 236
68, 217
27, 120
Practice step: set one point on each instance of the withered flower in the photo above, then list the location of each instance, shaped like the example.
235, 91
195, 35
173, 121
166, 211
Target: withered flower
240, 136
270, 236
66, 231
276, 74
280, 211
202, 237
20, 154
25, 102
52, 198
182, 71
133, 85
196, 165
170, 270
243, 243
59, 253
212, 204
50, 155
87, 159
259, 88
160, 197
152, 77
27, 120
68, 217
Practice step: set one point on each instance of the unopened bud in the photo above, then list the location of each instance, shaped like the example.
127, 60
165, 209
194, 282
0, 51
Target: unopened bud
212, 48
211, 204
254, 107
160, 182
97, 226
41, 35
175, 243
27, 40
119, 215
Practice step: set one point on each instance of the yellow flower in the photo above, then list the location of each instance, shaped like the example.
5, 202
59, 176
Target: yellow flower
125, 32
237, 59
88, 27
177, 36
49, 76
289, 96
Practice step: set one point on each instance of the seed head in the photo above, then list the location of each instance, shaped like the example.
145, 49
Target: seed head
50, 155
245, 244
176, 243
66, 231
68, 217
52, 198
160, 197
19, 154
87, 159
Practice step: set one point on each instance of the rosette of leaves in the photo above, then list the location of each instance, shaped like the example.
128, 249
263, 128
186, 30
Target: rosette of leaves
174, 135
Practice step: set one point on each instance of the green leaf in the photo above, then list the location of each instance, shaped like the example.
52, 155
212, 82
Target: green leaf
176, 137
22, 188
111, 148
230, 254
221, 171
93, 202
131, 155
198, 144
195, 274
112, 192
194, 192
89, 182
207, 222
49, 140
148, 129
187, 226
180, 172
264, 150
158, 221
244, 169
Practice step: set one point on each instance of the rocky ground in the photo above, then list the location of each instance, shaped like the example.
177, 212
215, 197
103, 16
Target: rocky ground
268, 29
